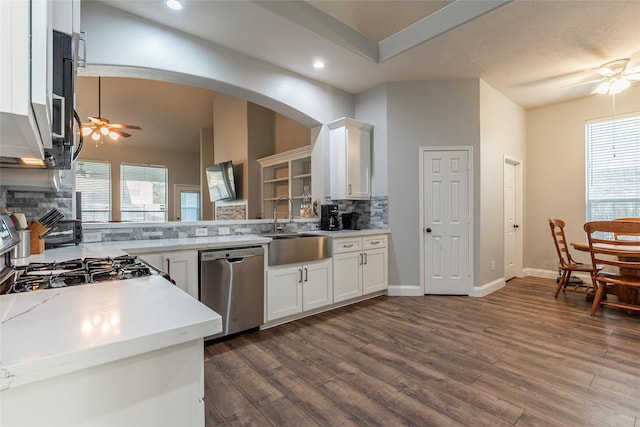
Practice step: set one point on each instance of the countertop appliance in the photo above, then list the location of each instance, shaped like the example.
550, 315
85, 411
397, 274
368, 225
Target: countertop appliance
329, 218
66, 232
232, 285
51, 275
350, 221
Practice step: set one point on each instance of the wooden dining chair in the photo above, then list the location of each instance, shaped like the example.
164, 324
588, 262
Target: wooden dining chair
621, 257
566, 264
628, 236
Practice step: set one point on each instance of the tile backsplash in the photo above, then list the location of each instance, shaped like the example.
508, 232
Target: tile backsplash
373, 214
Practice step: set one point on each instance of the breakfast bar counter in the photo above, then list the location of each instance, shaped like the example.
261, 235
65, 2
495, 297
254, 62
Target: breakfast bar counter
92, 355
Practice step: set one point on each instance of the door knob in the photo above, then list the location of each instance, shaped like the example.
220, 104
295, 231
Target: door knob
428, 230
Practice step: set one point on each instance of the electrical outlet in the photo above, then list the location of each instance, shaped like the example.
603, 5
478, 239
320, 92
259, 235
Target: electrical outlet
493, 265
224, 231
202, 232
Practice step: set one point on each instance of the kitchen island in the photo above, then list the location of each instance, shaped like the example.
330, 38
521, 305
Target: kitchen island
125, 353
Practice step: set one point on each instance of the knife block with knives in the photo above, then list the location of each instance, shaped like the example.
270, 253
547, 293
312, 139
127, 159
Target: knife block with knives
41, 227
37, 242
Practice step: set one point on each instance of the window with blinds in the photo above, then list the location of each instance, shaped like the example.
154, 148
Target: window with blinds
143, 193
93, 181
613, 168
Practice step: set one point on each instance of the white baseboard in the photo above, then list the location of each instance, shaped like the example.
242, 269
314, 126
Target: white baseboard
552, 274
488, 288
405, 291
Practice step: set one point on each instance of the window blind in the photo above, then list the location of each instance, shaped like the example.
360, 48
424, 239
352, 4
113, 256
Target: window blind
613, 168
143, 193
93, 181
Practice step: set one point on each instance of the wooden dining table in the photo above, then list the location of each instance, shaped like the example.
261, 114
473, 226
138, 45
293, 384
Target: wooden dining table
626, 294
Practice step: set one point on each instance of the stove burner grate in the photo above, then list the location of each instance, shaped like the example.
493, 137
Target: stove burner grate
77, 272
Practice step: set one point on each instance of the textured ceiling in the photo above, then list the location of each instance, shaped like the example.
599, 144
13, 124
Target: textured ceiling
534, 52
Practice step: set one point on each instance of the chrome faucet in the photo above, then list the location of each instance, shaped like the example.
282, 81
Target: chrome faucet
275, 213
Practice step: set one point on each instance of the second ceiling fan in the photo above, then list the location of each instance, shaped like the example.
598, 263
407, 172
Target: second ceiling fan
99, 127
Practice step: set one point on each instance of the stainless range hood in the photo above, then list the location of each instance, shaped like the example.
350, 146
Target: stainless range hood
30, 179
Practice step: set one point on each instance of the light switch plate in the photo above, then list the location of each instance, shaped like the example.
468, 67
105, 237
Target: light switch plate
202, 232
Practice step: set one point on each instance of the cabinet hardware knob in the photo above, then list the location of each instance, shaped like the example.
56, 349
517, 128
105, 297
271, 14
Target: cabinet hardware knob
350, 245
428, 230
375, 242
306, 274
366, 258
300, 271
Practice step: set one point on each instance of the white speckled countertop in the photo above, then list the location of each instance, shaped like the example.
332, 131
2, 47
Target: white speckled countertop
56, 331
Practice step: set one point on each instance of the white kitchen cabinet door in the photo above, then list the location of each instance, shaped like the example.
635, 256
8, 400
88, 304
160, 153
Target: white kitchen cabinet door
284, 292
182, 266
374, 271
317, 289
347, 279
350, 160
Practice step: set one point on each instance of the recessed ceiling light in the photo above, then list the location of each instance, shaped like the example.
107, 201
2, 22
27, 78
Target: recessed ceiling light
173, 4
318, 64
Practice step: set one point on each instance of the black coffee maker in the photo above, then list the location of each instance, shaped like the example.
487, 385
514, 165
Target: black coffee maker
329, 217
350, 221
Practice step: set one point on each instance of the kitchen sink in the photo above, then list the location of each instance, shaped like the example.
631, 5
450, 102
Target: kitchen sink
297, 248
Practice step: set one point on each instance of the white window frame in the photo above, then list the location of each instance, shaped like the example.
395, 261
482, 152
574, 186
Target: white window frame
612, 167
85, 198
148, 215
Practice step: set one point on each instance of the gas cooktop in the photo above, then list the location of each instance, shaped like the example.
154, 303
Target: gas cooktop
74, 272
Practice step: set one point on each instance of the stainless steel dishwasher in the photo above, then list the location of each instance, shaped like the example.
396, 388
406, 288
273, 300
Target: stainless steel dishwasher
232, 285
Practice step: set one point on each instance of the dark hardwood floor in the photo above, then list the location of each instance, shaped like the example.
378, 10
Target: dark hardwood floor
516, 357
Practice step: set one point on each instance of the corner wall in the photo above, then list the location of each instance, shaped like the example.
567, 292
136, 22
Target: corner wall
502, 132
555, 173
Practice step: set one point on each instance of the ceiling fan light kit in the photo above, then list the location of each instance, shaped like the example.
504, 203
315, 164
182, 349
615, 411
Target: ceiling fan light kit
616, 77
99, 127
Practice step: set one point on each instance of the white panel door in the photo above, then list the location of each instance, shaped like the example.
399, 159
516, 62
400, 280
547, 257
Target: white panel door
511, 208
446, 222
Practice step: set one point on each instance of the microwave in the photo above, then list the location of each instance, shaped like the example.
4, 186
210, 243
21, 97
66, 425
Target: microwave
66, 232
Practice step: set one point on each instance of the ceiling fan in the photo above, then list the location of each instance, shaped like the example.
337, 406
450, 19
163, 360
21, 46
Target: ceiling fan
99, 126
616, 77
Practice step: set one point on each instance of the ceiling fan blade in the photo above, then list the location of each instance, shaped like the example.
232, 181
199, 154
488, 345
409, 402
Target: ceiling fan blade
585, 83
119, 132
119, 126
634, 77
605, 72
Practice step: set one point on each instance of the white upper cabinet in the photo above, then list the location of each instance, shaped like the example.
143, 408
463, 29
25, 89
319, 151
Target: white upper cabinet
25, 83
350, 159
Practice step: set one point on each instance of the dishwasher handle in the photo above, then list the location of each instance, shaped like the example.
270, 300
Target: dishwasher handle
231, 254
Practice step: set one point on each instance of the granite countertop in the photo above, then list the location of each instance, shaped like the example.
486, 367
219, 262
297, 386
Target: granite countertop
57, 331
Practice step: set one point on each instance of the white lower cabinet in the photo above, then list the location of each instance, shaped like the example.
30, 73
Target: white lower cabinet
182, 266
298, 288
359, 266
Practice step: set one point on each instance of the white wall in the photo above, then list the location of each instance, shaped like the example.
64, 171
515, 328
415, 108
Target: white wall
555, 172
502, 132
121, 44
